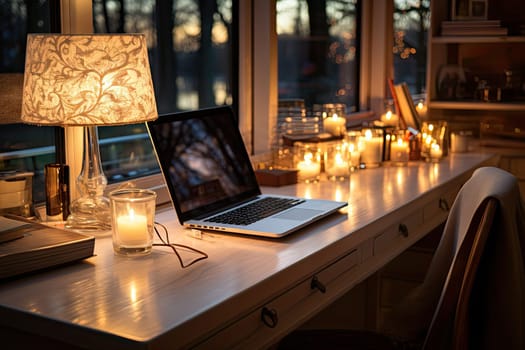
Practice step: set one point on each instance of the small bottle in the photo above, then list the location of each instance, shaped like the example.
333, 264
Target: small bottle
57, 191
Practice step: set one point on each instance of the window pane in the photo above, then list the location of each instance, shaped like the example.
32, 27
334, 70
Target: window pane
24, 147
411, 23
318, 51
191, 57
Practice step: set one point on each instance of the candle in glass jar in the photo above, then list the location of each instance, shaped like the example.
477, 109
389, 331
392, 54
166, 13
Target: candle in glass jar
132, 229
399, 150
435, 152
337, 166
372, 152
355, 156
308, 167
390, 119
334, 125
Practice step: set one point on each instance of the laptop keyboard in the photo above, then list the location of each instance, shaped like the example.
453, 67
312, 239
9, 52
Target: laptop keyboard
255, 211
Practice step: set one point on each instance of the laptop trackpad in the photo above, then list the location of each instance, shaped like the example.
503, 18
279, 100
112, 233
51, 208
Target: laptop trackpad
298, 214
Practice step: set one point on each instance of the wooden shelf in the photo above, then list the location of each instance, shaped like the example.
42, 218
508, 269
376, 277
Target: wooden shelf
478, 106
477, 39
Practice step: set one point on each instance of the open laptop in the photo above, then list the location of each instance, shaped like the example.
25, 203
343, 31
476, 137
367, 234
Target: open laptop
210, 177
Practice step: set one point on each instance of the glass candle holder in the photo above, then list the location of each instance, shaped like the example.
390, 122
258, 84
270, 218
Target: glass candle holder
336, 164
133, 216
399, 149
354, 145
334, 118
433, 140
307, 161
372, 153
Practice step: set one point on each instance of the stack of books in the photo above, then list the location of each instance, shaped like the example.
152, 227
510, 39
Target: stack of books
27, 246
473, 28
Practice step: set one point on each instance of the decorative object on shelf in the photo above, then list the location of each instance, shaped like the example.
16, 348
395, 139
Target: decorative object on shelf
434, 140
336, 162
372, 152
399, 148
450, 82
307, 161
132, 217
57, 191
88, 80
469, 9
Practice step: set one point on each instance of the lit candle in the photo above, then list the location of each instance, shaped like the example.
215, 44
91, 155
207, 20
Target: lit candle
334, 125
338, 166
399, 151
355, 155
390, 119
435, 152
372, 153
132, 229
421, 109
308, 167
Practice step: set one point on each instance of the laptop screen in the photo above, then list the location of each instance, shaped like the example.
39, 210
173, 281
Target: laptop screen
204, 161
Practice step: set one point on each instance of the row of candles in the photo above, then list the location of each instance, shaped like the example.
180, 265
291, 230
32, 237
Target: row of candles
366, 148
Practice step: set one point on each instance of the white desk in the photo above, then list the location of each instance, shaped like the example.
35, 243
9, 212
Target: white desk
110, 302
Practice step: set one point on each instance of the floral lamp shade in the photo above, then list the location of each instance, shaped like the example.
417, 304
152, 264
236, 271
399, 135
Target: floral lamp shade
92, 79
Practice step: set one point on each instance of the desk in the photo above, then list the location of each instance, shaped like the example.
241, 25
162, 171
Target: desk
111, 302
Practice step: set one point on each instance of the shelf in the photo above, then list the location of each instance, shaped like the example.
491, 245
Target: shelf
477, 39
478, 106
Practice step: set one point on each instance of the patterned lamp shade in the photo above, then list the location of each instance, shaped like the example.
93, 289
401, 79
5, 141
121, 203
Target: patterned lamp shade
83, 80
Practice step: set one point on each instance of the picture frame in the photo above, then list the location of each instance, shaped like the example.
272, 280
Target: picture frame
469, 10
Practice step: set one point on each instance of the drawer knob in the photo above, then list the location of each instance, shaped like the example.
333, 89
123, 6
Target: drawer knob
269, 317
443, 204
316, 284
403, 230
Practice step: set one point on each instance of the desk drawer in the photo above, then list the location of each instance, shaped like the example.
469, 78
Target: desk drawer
398, 233
287, 311
441, 205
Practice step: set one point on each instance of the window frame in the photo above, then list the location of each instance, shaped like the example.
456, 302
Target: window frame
257, 69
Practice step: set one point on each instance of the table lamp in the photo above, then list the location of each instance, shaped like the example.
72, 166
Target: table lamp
88, 80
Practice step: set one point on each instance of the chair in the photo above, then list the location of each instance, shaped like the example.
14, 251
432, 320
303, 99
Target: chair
473, 296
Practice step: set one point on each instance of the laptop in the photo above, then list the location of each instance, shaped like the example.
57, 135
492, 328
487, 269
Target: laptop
212, 183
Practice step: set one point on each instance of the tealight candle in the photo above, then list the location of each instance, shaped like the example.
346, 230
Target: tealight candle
133, 214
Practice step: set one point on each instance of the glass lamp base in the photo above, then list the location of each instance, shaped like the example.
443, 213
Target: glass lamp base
90, 215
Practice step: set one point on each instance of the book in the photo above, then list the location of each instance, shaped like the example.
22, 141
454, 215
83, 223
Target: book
407, 107
473, 28
33, 246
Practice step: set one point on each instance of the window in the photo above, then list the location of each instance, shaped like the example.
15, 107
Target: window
318, 51
192, 56
411, 23
24, 147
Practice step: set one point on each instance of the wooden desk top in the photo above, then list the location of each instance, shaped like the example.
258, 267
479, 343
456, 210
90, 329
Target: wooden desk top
109, 301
